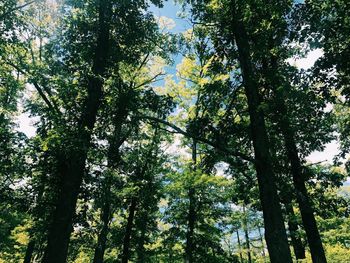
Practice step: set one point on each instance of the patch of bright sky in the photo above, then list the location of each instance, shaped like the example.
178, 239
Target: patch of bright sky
171, 10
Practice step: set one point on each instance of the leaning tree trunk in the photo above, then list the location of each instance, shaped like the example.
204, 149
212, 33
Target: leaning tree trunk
72, 164
128, 231
275, 232
306, 210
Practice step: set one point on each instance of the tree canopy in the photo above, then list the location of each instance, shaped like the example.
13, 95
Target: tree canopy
152, 143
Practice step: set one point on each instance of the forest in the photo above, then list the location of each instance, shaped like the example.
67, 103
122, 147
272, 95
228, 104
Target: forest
162, 131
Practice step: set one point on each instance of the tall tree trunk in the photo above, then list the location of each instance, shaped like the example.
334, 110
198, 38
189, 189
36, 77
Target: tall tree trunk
141, 242
246, 234
239, 246
128, 231
29, 251
306, 210
105, 218
73, 162
275, 232
191, 218
297, 244
115, 141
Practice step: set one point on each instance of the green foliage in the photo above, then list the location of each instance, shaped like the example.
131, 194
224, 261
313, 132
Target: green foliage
205, 181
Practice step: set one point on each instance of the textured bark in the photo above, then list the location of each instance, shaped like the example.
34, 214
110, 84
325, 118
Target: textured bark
72, 164
128, 231
297, 244
275, 232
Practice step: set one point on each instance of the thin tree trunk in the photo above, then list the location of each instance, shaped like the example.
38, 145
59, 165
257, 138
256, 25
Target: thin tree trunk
297, 244
262, 243
105, 218
191, 212
246, 234
239, 246
141, 242
73, 162
115, 142
128, 231
190, 226
29, 251
275, 232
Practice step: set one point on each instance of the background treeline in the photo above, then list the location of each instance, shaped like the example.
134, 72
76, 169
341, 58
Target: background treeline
137, 158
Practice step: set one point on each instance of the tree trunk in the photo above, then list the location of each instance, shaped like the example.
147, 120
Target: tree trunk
141, 242
306, 210
190, 226
297, 244
128, 231
191, 212
29, 251
113, 156
275, 232
262, 242
239, 246
73, 162
246, 234
105, 218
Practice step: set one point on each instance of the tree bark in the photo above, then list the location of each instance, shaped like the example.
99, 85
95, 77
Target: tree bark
297, 244
73, 162
275, 232
128, 231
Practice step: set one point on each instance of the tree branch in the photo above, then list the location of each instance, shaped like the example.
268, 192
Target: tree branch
200, 139
38, 88
15, 9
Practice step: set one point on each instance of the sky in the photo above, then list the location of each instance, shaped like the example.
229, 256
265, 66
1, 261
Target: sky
168, 15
